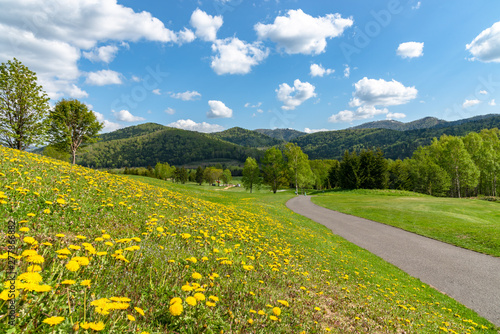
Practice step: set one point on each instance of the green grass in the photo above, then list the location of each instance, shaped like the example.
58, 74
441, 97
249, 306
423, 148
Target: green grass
468, 223
141, 236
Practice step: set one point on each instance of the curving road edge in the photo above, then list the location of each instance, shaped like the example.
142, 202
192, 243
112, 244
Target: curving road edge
471, 278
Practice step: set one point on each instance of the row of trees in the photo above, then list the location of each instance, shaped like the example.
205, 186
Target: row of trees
26, 118
451, 166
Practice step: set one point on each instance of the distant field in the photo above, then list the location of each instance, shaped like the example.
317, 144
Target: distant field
471, 224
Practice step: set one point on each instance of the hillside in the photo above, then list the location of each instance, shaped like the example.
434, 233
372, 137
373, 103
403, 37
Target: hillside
247, 138
281, 134
175, 146
132, 131
116, 255
424, 123
395, 144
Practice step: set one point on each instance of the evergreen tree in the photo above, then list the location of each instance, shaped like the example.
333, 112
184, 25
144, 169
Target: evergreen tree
348, 171
199, 175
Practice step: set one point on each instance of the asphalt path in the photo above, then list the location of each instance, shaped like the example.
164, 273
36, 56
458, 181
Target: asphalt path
471, 278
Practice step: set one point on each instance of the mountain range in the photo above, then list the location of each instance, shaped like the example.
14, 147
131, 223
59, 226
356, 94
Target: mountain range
149, 143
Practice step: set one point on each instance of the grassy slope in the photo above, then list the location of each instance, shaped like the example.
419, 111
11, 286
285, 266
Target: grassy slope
329, 284
471, 224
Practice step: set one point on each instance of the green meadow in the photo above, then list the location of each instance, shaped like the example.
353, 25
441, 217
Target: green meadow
97, 252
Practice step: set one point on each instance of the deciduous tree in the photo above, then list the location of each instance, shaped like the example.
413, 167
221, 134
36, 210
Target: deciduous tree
72, 126
23, 107
251, 175
274, 168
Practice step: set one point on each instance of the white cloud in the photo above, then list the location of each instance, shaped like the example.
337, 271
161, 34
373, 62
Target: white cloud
235, 56
470, 103
156, 91
104, 54
75, 92
170, 111
319, 71
307, 130
293, 97
126, 116
186, 96
299, 32
103, 77
396, 115
135, 79
206, 26
486, 46
410, 50
219, 110
185, 36
50, 36
108, 126
347, 71
370, 93
492, 103
191, 125
249, 105
417, 6
483, 92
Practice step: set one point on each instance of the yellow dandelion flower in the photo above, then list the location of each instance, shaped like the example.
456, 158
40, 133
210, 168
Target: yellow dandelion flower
31, 214
139, 310
317, 308
61, 201
34, 268
108, 243
29, 252
160, 229
97, 326
46, 244
196, 276
24, 229
47, 211
68, 282
214, 298
283, 302
53, 320
102, 253
187, 288
40, 288
273, 318
276, 311
29, 240
199, 296
176, 309
81, 237
191, 301
210, 304
250, 321
85, 283
72, 266
261, 312
130, 317
60, 235
64, 251
175, 300
7, 294
185, 235
30, 277
48, 202
74, 247
35, 259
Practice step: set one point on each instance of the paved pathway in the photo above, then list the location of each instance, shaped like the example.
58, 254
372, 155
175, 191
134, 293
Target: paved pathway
471, 278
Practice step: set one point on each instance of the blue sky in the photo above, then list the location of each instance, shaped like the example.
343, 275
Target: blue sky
308, 65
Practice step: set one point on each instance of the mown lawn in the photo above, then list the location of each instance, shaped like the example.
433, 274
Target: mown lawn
468, 223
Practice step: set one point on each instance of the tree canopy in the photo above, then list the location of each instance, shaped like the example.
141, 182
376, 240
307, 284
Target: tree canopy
23, 107
73, 125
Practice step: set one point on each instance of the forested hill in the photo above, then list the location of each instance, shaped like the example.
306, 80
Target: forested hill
281, 134
132, 131
424, 123
175, 146
246, 138
395, 144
